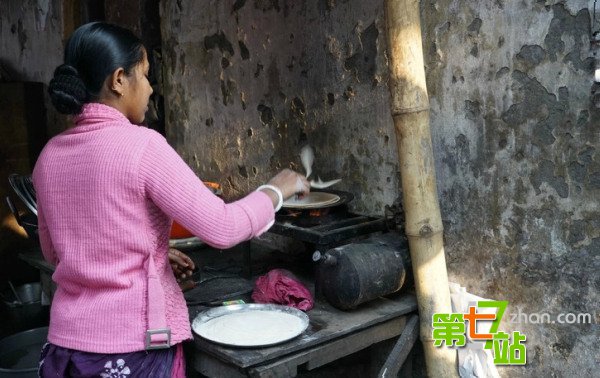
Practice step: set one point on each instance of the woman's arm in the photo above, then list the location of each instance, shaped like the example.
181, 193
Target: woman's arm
170, 183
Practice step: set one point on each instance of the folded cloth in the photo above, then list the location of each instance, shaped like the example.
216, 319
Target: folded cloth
281, 287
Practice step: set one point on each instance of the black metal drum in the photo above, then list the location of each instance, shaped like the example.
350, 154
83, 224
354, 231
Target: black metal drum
359, 272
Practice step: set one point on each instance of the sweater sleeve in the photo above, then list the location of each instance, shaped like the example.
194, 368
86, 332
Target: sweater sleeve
170, 183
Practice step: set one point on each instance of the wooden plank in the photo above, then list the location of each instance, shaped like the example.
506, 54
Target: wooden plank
212, 367
331, 351
326, 324
278, 370
358, 341
404, 345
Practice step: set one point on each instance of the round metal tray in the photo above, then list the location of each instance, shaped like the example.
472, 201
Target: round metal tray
313, 200
250, 325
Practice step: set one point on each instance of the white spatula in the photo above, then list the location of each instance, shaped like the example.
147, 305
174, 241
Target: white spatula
307, 156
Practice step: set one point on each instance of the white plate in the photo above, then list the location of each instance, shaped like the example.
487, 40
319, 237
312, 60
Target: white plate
312, 200
250, 325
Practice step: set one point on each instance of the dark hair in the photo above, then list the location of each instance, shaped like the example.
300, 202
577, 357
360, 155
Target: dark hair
93, 52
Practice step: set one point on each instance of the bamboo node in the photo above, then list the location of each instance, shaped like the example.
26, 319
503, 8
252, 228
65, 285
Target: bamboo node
403, 111
426, 230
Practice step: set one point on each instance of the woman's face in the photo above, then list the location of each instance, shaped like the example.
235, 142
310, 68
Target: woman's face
139, 91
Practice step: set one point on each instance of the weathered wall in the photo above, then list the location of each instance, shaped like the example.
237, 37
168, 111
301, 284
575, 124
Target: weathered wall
515, 136
31, 45
247, 83
30, 49
516, 141
31, 38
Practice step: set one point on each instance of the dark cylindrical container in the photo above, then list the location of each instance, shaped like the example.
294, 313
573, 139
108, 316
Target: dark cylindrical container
20, 353
359, 272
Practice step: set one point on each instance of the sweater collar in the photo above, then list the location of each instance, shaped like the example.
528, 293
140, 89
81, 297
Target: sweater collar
95, 113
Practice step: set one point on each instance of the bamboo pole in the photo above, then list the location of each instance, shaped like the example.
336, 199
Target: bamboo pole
410, 111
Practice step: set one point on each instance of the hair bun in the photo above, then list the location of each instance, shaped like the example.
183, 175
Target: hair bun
67, 90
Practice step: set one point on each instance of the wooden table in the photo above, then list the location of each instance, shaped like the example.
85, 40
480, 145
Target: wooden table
331, 334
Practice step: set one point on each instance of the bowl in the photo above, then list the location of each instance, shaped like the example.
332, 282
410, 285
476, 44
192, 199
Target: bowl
20, 353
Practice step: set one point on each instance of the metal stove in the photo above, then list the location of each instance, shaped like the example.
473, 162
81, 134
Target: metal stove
328, 226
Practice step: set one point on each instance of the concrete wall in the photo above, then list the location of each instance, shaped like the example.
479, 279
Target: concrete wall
515, 136
31, 38
248, 83
517, 140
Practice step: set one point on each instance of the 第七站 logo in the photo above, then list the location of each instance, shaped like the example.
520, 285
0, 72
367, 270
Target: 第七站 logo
451, 330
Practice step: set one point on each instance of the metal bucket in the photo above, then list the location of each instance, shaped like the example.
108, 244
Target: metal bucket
20, 353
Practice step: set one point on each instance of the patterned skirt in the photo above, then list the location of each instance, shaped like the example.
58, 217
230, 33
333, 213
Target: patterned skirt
56, 361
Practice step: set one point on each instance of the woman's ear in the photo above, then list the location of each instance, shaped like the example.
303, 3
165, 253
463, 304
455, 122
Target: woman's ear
118, 82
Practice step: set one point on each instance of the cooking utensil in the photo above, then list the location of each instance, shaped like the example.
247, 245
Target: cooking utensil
199, 277
345, 197
312, 200
14, 291
319, 184
23, 187
250, 325
307, 156
187, 243
221, 287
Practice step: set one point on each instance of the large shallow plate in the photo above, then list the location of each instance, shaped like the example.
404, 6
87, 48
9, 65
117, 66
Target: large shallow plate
312, 200
250, 325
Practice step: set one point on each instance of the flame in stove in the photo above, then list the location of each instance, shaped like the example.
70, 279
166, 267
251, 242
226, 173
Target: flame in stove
293, 213
306, 213
317, 212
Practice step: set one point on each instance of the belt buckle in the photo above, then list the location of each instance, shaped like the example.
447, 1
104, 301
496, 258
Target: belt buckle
164, 345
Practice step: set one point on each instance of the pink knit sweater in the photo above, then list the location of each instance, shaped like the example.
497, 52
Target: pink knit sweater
107, 191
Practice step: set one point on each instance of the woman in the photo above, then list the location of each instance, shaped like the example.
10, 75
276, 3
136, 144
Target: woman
107, 192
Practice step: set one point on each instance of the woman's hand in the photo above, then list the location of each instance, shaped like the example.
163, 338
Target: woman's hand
181, 264
290, 183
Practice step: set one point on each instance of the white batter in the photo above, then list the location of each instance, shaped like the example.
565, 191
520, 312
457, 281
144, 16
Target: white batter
251, 328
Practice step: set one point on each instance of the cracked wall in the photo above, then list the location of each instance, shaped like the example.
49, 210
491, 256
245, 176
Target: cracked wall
248, 83
515, 136
516, 141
